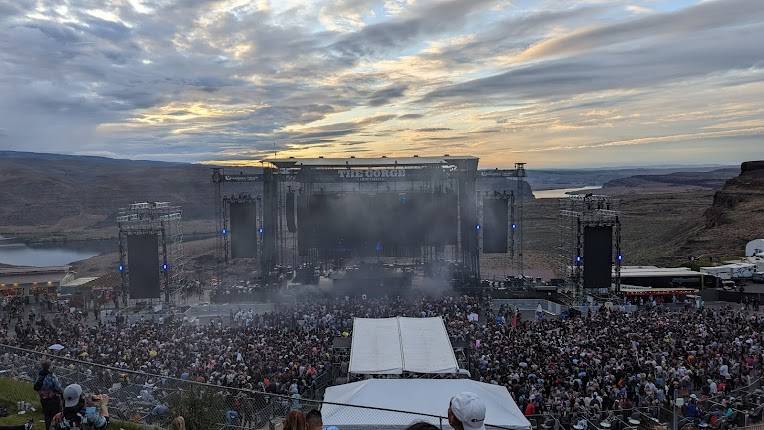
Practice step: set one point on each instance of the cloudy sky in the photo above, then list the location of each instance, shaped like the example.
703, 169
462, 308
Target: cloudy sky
548, 82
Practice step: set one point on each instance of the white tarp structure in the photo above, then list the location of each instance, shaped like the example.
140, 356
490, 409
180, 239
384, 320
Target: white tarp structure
731, 271
414, 396
391, 346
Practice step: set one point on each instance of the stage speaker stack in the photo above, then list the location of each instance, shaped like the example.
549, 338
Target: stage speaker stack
495, 227
598, 256
243, 229
290, 213
143, 266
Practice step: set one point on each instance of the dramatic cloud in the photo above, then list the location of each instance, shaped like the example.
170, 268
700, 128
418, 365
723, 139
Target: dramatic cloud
226, 80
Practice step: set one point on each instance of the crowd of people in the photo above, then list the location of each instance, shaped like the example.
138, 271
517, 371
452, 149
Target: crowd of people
608, 360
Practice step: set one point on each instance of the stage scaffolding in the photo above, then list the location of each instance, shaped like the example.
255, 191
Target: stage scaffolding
576, 213
164, 220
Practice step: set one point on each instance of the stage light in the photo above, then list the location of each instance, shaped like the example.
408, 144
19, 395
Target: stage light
578, 258
121, 268
225, 231
620, 257
514, 226
260, 230
477, 226
164, 267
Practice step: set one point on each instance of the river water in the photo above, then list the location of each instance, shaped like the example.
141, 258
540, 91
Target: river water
559, 193
53, 254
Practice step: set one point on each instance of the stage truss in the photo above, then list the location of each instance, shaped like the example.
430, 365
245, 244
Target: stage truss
164, 220
514, 193
576, 213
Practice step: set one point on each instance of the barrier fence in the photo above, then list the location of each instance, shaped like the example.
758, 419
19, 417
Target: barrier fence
154, 400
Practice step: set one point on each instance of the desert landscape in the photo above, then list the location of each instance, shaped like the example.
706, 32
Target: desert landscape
669, 214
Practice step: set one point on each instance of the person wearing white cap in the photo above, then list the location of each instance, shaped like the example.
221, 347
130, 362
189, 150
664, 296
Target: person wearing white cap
466, 412
79, 413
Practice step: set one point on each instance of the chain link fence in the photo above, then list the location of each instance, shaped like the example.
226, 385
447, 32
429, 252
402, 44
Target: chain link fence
154, 400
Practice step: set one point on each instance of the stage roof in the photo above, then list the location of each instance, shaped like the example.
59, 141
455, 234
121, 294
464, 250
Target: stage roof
424, 396
391, 346
367, 162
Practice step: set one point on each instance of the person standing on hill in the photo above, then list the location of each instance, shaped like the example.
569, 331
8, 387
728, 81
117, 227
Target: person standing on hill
50, 391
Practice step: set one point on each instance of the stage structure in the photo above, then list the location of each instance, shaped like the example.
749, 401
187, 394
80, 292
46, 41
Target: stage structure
501, 199
326, 212
418, 208
150, 245
252, 192
590, 243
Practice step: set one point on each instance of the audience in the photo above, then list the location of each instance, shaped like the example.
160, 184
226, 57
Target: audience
601, 361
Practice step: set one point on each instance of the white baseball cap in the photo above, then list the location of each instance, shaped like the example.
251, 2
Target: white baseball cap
469, 410
72, 394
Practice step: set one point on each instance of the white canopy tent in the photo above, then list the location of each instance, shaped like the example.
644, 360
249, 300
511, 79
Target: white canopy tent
391, 346
414, 396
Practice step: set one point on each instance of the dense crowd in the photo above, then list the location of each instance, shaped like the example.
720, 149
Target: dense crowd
594, 362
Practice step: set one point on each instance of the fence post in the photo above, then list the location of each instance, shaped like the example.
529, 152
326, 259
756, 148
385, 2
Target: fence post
441, 422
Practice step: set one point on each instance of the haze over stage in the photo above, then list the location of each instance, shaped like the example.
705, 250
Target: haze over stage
391, 346
383, 224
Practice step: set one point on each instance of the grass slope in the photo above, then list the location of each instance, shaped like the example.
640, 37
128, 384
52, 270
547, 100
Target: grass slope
12, 391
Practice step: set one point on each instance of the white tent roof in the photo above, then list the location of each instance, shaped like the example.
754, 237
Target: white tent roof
420, 396
390, 346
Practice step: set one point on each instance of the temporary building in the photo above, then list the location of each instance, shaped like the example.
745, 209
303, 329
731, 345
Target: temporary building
391, 346
402, 402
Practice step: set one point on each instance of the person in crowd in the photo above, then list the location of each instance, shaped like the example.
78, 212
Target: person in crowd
231, 419
179, 423
80, 412
49, 390
421, 426
692, 409
466, 412
313, 420
295, 420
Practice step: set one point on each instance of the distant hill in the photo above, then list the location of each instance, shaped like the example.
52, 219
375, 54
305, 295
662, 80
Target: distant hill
713, 179
50, 196
544, 179
732, 219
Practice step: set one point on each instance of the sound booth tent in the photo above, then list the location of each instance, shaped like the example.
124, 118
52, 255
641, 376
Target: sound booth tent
392, 346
